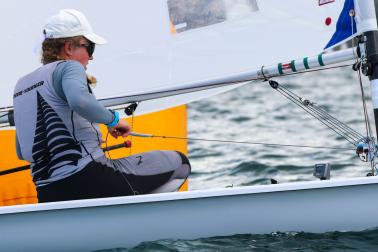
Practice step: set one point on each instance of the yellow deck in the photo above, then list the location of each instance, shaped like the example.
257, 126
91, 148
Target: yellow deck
18, 188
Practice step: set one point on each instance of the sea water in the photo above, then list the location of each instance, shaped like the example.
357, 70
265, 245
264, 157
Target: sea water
257, 113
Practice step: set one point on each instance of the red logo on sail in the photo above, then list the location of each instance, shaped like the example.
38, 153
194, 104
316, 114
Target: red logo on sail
322, 2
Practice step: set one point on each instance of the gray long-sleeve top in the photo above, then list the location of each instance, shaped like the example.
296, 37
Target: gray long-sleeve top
70, 83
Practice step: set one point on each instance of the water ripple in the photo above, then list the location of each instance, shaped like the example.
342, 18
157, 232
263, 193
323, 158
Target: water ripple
365, 241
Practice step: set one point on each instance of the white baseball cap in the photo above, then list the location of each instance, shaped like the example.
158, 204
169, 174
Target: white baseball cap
70, 23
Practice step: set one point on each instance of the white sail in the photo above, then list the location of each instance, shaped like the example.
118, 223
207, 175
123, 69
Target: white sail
214, 38
154, 65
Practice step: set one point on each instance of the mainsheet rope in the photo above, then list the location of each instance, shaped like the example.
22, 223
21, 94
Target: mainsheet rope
118, 146
107, 149
238, 142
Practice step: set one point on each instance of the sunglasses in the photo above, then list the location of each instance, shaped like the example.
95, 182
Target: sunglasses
89, 47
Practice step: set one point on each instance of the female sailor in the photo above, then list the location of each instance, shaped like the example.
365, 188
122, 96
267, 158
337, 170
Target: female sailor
57, 117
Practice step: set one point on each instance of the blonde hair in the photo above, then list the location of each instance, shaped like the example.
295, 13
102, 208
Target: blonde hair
52, 47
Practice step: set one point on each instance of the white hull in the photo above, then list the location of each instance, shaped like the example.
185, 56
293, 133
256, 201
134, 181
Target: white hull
86, 225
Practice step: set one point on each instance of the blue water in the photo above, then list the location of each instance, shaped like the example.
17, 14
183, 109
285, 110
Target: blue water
257, 113
335, 241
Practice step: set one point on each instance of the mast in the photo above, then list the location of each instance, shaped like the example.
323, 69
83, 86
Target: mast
372, 69
367, 24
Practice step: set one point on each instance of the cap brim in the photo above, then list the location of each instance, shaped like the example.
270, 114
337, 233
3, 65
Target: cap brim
95, 39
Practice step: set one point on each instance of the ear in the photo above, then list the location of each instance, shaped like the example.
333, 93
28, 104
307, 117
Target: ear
68, 49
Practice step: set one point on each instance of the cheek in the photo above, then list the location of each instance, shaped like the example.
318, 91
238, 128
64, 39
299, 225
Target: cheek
84, 58
81, 57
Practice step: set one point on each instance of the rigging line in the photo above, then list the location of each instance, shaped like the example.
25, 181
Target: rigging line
342, 124
342, 128
339, 127
328, 116
350, 140
250, 143
366, 116
306, 109
336, 123
135, 192
326, 123
106, 144
325, 115
27, 167
332, 125
319, 116
132, 127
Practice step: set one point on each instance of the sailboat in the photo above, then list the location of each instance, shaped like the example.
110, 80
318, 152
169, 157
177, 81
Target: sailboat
177, 57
